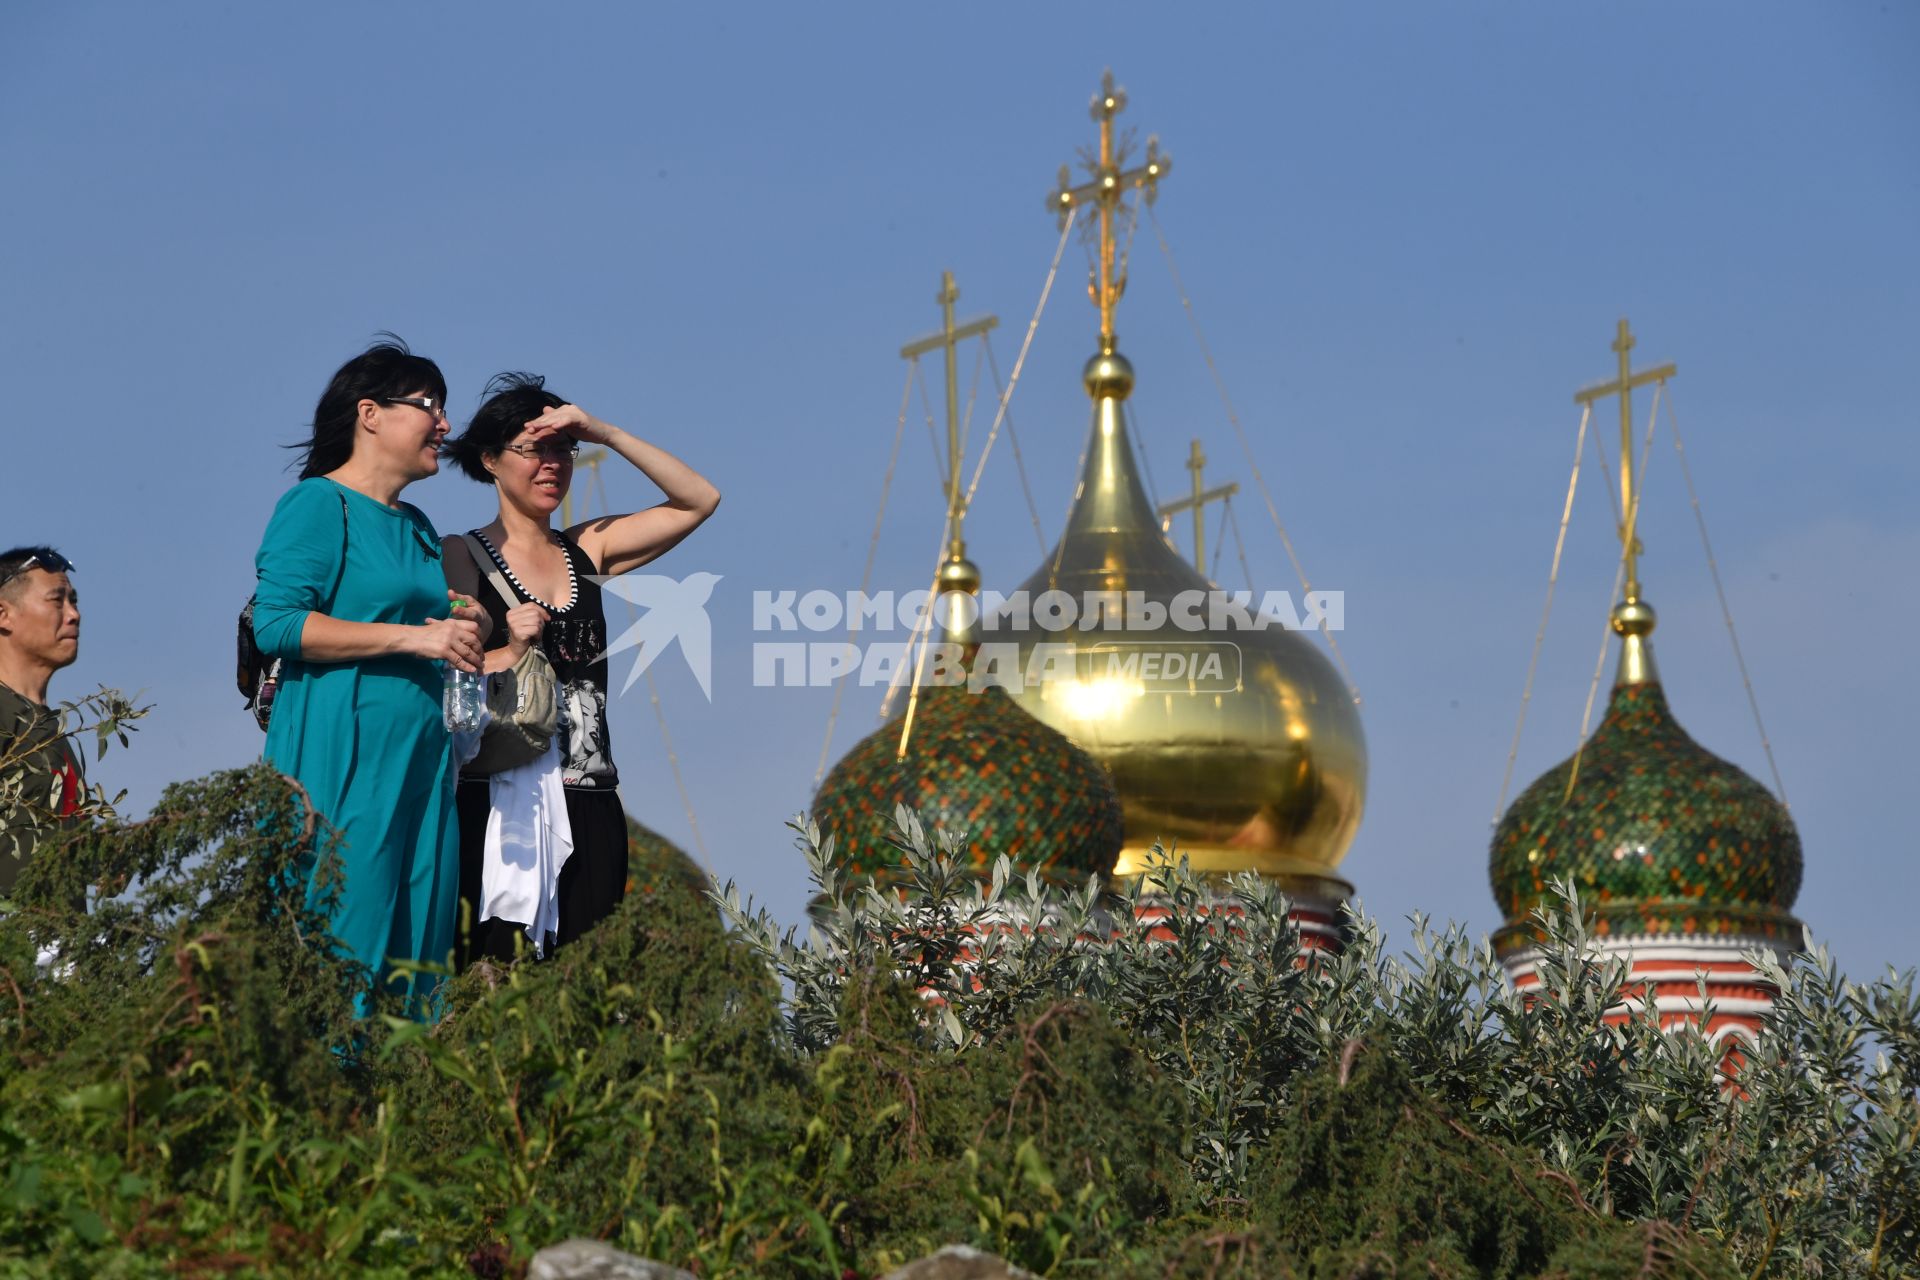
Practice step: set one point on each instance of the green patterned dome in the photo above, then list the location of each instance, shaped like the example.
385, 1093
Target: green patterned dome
656, 864
1661, 836
976, 763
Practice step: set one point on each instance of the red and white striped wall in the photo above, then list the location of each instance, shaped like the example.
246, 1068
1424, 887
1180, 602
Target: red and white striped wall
1670, 972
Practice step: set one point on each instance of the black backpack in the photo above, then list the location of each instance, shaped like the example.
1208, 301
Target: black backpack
258, 675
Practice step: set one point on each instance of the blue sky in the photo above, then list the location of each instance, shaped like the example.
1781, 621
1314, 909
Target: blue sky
1408, 230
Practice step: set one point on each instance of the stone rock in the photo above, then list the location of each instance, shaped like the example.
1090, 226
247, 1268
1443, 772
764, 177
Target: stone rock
592, 1260
957, 1262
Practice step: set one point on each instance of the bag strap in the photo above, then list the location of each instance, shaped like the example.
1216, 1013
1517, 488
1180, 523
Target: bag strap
483, 561
334, 597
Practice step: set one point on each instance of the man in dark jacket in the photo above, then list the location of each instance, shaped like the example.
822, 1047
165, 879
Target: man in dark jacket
41, 781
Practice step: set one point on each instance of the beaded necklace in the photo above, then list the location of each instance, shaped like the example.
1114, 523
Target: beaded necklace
573, 584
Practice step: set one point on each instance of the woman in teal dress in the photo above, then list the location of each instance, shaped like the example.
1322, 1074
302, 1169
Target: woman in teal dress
352, 598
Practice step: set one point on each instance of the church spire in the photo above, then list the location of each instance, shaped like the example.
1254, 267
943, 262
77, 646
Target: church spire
957, 573
1262, 769
1633, 617
1111, 496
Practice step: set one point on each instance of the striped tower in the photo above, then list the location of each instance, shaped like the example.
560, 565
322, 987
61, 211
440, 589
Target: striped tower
1684, 863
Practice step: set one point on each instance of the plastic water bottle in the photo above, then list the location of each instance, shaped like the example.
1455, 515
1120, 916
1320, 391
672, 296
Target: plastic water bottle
476, 689
463, 704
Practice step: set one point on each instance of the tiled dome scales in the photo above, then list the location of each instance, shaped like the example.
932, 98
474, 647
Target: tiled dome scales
1684, 862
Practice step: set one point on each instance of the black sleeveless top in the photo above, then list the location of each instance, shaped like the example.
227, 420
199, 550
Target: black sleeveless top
575, 642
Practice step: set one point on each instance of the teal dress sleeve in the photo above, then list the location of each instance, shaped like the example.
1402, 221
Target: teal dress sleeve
298, 566
364, 737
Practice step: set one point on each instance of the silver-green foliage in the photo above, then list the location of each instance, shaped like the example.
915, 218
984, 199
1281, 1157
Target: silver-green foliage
1802, 1162
29, 811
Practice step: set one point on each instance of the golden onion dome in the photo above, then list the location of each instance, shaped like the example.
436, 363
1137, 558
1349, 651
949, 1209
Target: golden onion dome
1256, 762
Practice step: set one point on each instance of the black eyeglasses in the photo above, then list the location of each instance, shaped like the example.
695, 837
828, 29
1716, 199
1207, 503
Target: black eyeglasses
426, 404
546, 450
51, 561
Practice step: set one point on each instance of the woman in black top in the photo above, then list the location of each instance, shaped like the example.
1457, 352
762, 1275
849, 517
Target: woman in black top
523, 441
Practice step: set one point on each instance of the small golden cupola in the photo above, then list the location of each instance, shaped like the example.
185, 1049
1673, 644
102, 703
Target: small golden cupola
1236, 745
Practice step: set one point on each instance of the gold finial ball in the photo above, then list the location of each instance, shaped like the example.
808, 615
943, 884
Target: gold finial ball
1633, 617
1108, 376
959, 574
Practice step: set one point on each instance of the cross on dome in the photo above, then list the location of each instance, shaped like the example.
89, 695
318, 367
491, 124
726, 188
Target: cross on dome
1622, 385
1107, 183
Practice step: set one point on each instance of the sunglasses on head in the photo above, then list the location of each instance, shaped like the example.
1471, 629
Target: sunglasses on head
51, 561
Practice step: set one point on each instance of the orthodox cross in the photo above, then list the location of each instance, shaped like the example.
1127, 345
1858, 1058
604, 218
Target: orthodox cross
1623, 386
1196, 502
1108, 182
949, 339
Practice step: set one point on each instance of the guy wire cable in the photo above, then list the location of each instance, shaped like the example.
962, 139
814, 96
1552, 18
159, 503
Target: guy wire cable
599, 483
1013, 439
1606, 474
1020, 361
973, 396
921, 634
1220, 541
933, 435
1246, 447
1593, 688
673, 762
1546, 610
1239, 543
1131, 418
933, 590
1726, 612
866, 573
919, 666
1000, 415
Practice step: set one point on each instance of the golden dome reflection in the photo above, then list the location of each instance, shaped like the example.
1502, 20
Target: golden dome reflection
1257, 763
1095, 698
1237, 746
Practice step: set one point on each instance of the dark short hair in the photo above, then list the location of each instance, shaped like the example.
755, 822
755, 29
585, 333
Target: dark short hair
383, 370
12, 561
511, 400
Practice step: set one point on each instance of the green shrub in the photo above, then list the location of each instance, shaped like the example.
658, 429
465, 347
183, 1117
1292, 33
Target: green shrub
1053, 1139
1809, 1165
184, 1090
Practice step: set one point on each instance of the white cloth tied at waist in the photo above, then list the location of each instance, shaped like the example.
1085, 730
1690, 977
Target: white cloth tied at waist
529, 839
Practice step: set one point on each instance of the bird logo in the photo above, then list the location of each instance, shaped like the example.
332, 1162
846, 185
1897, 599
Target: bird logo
675, 609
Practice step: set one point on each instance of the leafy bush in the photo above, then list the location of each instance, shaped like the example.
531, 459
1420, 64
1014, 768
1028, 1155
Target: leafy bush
1806, 1164
184, 1091
29, 815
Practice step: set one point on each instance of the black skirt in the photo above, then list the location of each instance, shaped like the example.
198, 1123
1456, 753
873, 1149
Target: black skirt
592, 883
